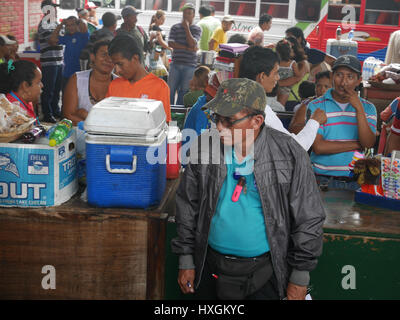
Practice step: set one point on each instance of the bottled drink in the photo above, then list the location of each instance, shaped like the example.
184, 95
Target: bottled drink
338, 33
351, 34
60, 132
32, 135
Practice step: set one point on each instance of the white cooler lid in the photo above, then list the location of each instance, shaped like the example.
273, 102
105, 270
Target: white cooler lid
126, 117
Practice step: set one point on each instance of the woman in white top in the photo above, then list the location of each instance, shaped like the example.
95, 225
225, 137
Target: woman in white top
261, 65
86, 88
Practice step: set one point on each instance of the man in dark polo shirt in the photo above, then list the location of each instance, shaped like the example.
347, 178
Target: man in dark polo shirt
183, 38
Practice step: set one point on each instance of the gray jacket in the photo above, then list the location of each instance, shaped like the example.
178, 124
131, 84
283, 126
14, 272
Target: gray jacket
293, 209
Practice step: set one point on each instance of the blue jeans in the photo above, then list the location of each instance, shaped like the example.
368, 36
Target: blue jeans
332, 183
178, 81
52, 82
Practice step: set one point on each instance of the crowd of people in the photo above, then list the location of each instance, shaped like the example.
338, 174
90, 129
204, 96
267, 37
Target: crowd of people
275, 223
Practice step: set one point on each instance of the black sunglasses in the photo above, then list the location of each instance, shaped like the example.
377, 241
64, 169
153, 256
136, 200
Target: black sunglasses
228, 122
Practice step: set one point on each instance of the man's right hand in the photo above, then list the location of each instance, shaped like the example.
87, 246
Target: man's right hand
186, 280
319, 115
185, 24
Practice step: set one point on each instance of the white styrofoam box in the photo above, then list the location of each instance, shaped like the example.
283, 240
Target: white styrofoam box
339, 48
37, 175
127, 117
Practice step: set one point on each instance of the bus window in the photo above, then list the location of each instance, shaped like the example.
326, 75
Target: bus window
156, 4
385, 12
70, 4
136, 3
219, 6
308, 10
336, 6
242, 8
177, 4
275, 8
108, 4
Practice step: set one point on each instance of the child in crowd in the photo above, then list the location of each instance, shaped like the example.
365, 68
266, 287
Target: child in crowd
323, 82
273, 102
306, 93
196, 86
287, 68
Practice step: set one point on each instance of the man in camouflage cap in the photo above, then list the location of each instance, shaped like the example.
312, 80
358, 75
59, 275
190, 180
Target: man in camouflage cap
234, 95
248, 210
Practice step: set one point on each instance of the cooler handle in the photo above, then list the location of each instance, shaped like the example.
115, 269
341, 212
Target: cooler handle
109, 169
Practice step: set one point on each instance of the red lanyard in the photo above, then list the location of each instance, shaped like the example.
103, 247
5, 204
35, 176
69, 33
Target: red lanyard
29, 110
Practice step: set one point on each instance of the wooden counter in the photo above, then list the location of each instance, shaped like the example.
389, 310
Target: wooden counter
97, 253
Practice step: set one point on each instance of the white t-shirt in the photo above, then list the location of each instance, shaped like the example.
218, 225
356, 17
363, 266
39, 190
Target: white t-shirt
256, 35
305, 137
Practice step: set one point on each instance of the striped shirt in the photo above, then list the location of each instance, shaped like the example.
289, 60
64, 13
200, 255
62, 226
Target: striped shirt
177, 34
49, 55
341, 126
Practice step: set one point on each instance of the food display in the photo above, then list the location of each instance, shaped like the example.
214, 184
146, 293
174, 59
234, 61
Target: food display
13, 120
391, 71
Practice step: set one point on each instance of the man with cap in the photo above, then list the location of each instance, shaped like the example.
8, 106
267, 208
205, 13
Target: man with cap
129, 26
183, 39
51, 60
5, 42
351, 126
91, 7
220, 35
248, 211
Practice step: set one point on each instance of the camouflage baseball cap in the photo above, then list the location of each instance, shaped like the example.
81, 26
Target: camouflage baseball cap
234, 95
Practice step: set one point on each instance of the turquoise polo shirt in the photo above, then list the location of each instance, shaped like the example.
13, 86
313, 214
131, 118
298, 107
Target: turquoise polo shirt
238, 228
341, 126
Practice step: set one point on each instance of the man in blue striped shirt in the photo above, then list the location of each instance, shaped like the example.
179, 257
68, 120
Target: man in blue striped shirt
351, 126
183, 38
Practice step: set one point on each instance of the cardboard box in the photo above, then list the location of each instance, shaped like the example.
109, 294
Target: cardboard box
36, 175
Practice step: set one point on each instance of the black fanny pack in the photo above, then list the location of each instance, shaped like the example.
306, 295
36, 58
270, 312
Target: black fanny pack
237, 277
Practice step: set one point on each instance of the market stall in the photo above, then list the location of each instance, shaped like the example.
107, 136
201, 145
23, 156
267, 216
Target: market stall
97, 253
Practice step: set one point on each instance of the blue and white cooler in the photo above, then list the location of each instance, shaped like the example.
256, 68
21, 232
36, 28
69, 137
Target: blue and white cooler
341, 47
126, 150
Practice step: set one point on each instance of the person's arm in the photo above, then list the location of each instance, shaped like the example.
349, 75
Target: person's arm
190, 40
70, 102
187, 207
307, 216
321, 146
165, 99
211, 44
161, 41
298, 120
82, 26
53, 40
366, 136
305, 137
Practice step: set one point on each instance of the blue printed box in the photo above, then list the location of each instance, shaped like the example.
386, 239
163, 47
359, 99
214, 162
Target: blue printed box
36, 175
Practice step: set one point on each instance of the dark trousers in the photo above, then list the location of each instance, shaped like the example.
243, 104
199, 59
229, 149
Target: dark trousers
52, 82
207, 288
